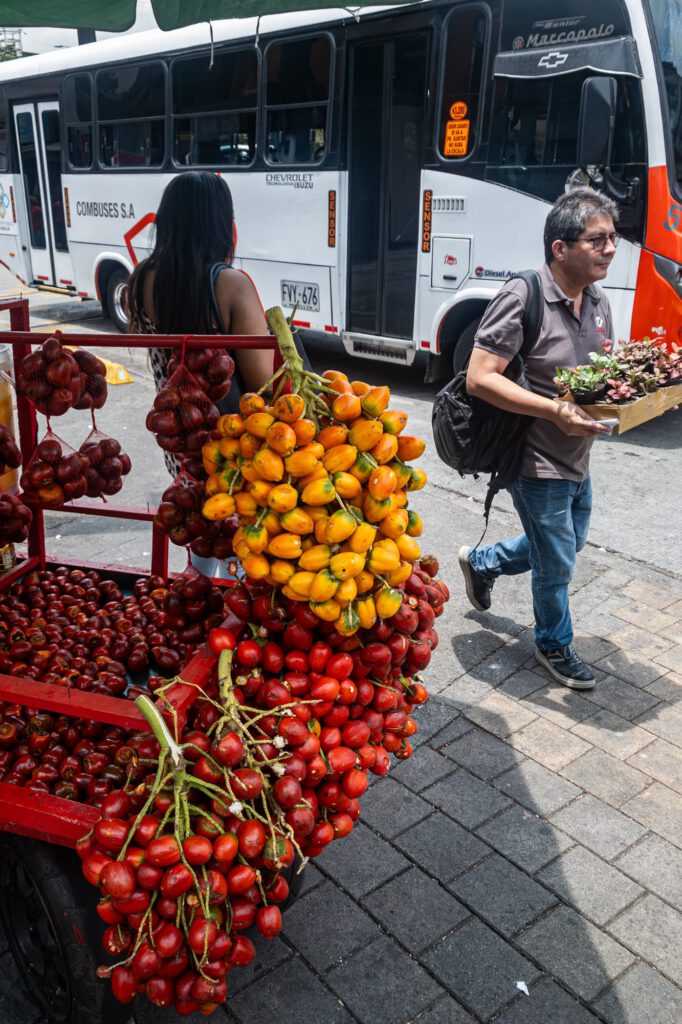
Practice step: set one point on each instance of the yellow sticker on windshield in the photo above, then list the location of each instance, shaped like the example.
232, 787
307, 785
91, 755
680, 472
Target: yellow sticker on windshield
456, 138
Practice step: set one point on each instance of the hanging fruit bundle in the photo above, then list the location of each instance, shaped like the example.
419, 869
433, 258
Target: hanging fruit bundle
320, 482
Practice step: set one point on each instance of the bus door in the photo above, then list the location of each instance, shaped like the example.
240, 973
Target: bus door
388, 90
39, 146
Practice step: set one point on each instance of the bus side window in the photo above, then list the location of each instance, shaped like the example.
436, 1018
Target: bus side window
77, 107
214, 109
297, 100
131, 111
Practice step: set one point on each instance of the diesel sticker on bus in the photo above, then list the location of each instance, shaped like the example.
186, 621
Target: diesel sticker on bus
456, 139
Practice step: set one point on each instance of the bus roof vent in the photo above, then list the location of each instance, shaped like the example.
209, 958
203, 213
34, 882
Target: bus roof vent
449, 204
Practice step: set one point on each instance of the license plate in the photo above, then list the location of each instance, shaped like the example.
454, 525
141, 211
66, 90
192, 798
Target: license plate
303, 294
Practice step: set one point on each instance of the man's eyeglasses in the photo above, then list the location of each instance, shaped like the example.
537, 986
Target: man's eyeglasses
598, 242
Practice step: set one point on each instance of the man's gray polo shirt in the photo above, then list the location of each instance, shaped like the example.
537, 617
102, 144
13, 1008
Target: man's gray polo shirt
565, 340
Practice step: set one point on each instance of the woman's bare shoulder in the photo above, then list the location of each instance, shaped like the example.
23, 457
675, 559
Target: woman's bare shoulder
232, 284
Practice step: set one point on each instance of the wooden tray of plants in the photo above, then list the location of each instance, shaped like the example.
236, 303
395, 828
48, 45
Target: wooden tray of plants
632, 384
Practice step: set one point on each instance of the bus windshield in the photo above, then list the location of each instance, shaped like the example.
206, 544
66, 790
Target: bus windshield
667, 18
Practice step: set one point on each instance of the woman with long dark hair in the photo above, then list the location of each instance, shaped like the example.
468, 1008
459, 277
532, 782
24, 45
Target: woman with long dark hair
170, 290
187, 286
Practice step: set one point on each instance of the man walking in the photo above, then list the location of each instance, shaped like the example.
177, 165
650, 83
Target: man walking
553, 492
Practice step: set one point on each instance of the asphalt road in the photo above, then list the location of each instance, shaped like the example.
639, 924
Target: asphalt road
638, 483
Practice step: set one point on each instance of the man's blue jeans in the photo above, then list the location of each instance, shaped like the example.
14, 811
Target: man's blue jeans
555, 515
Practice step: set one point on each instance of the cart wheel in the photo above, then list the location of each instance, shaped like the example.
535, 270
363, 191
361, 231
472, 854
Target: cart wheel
48, 912
117, 299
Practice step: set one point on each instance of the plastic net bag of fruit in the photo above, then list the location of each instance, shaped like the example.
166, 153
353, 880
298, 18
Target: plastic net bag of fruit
15, 519
179, 515
10, 456
51, 378
212, 368
107, 464
56, 473
182, 417
93, 375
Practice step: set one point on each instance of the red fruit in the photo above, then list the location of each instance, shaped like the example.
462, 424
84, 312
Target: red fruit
149, 877
356, 734
341, 759
93, 866
248, 654
293, 730
240, 879
111, 833
229, 750
287, 792
197, 849
272, 658
176, 881
322, 834
160, 991
169, 940
205, 991
319, 655
354, 783
243, 913
146, 962
220, 639
117, 939
243, 951
269, 921
342, 824
202, 934
118, 880
106, 912
146, 830
225, 848
246, 783
301, 820
163, 852
252, 837
123, 984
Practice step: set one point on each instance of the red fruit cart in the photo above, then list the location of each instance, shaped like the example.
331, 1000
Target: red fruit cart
46, 906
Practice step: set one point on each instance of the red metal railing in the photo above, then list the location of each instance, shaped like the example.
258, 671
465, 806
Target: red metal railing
42, 815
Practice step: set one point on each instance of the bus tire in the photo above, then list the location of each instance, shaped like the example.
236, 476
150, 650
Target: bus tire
117, 295
48, 913
464, 345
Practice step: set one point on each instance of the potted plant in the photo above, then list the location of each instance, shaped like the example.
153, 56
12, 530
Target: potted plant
586, 384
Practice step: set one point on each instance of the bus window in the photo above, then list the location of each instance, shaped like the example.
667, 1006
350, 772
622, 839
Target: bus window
462, 82
29, 163
130, 102
667, 18
214, 109
297, 100
77, 107
534, 132
53, 149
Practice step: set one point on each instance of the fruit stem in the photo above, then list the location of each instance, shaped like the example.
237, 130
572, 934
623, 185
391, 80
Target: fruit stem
161, 731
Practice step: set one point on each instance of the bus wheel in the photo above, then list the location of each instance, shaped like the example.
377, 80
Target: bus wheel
117, 299
464, 345
48, 913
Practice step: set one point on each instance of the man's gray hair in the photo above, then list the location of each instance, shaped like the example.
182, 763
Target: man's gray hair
572, 212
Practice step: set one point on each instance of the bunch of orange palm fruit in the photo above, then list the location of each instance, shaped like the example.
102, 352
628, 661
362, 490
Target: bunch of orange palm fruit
320, 481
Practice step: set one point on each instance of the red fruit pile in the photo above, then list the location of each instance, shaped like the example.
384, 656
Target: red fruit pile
15, 519
182, 416
107, 464
72, 628
55, 474
193, 606
51, 378
211, 368
93, 380
179, 515
74, 759
10, 456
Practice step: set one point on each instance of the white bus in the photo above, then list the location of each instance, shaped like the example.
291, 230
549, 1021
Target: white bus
389, 169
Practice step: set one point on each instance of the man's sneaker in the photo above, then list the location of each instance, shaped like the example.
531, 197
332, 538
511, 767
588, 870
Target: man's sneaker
565, 666
478, 588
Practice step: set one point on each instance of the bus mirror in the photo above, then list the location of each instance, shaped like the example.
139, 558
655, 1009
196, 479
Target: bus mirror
595, 124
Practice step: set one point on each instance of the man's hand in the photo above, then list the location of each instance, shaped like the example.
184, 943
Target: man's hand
572, 420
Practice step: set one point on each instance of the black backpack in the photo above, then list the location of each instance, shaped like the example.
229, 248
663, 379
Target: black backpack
475, 437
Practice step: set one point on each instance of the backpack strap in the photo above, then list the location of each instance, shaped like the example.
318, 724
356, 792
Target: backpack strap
534, 310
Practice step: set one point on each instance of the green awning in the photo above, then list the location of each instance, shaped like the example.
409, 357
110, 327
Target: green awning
119, 15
